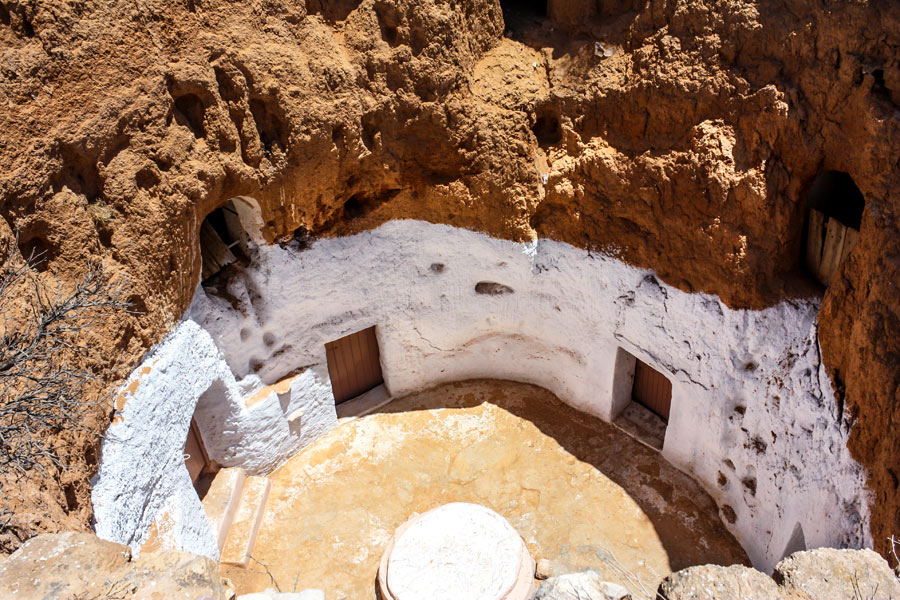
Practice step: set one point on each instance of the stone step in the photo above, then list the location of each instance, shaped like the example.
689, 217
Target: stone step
245, 527
222, 500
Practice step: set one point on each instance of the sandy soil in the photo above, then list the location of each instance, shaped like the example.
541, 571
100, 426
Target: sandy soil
580, 492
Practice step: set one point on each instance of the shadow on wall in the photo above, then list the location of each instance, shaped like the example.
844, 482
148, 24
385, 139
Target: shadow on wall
642, 472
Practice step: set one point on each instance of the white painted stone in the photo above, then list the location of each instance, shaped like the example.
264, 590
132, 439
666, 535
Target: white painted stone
457, 550
581, 586
561, 327
142, 479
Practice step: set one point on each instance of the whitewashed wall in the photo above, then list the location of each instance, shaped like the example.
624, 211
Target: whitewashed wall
750, 398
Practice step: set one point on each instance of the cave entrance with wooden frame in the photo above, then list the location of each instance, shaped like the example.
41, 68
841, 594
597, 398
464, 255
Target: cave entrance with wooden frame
226, 235
642, 400
835, 214
354, 365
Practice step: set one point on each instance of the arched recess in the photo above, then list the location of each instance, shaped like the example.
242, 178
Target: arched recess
836, 207
227, 234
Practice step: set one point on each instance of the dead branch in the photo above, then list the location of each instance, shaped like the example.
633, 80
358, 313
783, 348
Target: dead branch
43, 357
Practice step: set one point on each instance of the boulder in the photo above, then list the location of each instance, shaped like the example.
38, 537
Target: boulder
826, 573
81, 565
61, 565
713, 582
581, 586
173, 575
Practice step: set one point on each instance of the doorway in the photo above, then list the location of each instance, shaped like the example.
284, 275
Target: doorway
641, 400
354, 364
836, 207
652, 390
199, 467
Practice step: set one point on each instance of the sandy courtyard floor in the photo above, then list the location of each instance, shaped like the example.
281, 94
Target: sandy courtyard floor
580, 492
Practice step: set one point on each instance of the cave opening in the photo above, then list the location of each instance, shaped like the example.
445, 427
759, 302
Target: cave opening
227, 233
518, 14
547, 128
534, 8
835, 208
218, 244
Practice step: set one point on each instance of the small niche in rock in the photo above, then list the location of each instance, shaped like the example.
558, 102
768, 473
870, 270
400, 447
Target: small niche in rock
337, 135
27, 27
369, 131
78, 172
146, 178
388, 22
300, 240
355, 207
332, 10
360, 205
271, 129
38, 252
71, 498
520, 18
492, 288
189, 111
546, 128
523, 8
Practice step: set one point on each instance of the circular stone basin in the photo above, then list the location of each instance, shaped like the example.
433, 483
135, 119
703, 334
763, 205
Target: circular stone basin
455, 551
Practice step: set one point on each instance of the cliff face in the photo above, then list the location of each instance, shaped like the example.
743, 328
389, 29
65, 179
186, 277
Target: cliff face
679, 135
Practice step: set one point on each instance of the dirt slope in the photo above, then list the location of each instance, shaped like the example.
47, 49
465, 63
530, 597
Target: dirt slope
688, 150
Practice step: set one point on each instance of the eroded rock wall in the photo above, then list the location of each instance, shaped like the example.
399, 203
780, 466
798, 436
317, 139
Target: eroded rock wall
687, 150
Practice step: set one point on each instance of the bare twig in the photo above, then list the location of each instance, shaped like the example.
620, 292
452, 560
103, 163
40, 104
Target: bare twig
631, 580
269, 573
42, 357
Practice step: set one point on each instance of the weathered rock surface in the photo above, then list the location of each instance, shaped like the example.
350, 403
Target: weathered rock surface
81, 565
829, 573
713, 582
821, 574
60, 565
581, 586
688, 149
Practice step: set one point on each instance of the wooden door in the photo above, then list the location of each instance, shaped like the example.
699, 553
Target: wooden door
194, 453
828, 242
652, 389
354, 364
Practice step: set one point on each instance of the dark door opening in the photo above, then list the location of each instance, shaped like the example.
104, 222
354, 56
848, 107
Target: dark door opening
354, 364
199, 467
835, 214
219, 242
652, 390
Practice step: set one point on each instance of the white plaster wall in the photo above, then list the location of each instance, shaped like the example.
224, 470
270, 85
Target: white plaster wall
783, 456
142, 479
